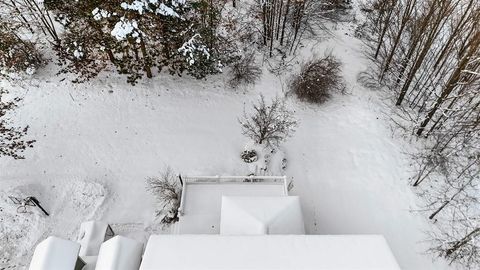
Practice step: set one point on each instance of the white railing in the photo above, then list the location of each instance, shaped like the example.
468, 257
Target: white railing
215, 179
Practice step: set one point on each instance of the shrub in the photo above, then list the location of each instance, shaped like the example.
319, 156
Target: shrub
269, 124
317, 79
78, 53
249, 156
167, 192
244, 71
143, 38
337, 4
17, 55
12, 143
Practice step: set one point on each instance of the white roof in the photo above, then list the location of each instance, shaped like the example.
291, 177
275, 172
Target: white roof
55, 253
268, 252
203, 202
91, 237
119, 253
261, 215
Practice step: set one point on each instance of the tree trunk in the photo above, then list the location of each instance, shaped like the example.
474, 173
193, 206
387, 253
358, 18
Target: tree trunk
460, 243
405, 19
264, 19
452, 82
287, 9
147, 66
384, 29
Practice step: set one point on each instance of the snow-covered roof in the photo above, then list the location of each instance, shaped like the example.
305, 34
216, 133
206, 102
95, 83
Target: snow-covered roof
119, 253
91, 237
55, 253
261, 215
267, 252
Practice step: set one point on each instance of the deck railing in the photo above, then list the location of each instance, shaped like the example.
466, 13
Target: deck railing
217, 179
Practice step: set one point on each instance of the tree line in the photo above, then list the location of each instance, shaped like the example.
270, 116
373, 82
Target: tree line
137, 38
427, 53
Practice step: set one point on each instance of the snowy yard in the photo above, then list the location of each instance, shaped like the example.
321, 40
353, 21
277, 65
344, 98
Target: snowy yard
97, 142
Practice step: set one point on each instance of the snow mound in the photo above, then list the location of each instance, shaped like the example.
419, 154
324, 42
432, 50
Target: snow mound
68, 206
17, 229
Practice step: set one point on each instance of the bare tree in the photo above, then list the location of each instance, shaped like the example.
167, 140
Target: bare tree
167, 191
284, 23
31, 15
428, 53
458, 243
268, 123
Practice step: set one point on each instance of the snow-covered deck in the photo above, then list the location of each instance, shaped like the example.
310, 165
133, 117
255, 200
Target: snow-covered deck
279, 252
201, 202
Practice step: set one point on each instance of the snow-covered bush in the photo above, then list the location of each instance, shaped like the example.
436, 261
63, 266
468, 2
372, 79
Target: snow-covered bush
11, 138
268, 124
198, 60
142, 36
167, 191
244, 71
83, 51
249, 156
17, 56
317, 80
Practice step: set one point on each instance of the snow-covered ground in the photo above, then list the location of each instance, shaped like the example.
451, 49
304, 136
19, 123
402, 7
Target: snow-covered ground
98, 141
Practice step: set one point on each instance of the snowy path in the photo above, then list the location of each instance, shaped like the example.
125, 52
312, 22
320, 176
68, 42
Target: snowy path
349, 171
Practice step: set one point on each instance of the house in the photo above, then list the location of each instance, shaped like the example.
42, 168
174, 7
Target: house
227, 223
55, 253
119, 253
268, 252
252, 223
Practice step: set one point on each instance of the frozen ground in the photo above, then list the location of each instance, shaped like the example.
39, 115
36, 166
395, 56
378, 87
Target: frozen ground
98, 141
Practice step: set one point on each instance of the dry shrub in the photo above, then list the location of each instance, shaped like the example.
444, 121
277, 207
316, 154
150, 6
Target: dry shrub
318, 79
17, 55
12, 142
268, 123
167, 191
244, 72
